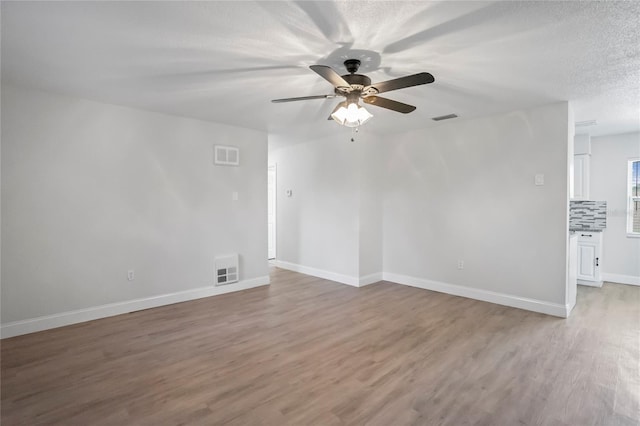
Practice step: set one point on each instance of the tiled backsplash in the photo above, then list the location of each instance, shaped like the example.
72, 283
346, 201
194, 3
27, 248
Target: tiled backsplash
588, 214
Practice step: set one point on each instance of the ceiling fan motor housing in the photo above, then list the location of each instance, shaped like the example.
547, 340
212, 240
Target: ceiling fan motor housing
352, 65
357, 82
359, 79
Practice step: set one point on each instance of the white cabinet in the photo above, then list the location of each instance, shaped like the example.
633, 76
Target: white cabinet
587, 265
590, 258
581, 176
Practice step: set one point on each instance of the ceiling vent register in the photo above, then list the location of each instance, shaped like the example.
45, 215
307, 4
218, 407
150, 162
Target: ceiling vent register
444, 117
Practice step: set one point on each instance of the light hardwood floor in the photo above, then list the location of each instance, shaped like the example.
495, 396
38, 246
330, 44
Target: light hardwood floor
309, 351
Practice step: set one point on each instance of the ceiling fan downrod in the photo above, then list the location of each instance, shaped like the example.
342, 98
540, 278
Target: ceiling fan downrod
352, 65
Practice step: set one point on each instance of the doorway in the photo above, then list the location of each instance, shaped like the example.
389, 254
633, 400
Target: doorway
271, 212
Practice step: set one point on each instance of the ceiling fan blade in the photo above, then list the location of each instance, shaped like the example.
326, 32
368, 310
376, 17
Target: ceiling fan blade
302, 98
388, 104
402, 82
330, 75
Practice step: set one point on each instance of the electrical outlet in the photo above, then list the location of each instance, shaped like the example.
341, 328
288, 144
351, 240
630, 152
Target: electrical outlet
131, 275
460, 264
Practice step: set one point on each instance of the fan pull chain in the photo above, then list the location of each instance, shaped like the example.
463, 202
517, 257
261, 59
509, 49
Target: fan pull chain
354, 130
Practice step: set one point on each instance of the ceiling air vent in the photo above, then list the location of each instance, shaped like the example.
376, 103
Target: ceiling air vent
586, 123
444, 117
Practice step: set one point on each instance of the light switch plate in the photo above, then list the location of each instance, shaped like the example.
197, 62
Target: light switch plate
539, 179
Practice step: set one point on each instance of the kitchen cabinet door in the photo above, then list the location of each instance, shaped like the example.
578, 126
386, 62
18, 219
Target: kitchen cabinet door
587, 261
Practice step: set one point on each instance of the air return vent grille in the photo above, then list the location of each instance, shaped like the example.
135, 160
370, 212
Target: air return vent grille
444, 117
227, 269
226, 155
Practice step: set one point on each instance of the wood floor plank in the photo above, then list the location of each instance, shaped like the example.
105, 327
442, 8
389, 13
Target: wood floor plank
310, 351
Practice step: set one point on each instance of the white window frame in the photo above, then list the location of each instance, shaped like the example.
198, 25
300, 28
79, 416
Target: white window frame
631, 199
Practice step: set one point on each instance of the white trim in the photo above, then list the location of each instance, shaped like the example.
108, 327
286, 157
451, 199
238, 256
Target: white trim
590, 283
17, 328
320, 273
274, 168
370, 279
534, 305
621, 279
328, 275
630, 199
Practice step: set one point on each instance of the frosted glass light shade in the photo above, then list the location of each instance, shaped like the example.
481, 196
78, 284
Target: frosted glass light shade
352, 115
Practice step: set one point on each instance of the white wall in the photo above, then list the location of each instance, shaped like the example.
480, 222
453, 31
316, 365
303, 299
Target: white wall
317, 227
410, 205
465, 191
371, 195
582, 144
332, 225
609, 156
91, 190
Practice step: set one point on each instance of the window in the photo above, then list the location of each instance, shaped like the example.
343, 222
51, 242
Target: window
633, 213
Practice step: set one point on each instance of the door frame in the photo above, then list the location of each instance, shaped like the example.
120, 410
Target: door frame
273, 168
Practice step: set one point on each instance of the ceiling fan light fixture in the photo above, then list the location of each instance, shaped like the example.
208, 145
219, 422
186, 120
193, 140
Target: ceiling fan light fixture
350, 115
356, 87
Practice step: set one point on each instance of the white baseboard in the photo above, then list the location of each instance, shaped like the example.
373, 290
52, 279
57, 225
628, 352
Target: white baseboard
621, 279
320, 273
534, 305
590, 283
370, 279
328, 275
32, 325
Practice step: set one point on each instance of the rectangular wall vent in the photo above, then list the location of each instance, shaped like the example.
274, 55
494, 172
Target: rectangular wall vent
444, 117
227, 269
226, 155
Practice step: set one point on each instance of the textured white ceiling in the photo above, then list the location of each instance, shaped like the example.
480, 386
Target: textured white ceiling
224, 61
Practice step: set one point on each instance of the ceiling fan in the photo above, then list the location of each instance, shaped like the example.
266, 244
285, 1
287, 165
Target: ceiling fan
357, 86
